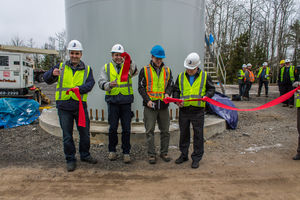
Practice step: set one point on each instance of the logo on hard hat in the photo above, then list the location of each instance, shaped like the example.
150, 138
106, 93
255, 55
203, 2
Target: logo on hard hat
190, 62
74, 45
119, 48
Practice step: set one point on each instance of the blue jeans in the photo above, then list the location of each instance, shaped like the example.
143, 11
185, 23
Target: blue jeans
66, 120
115, 113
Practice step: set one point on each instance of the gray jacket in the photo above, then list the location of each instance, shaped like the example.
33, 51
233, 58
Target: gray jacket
104, 85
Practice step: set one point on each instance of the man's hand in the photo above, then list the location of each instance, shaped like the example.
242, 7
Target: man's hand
150, 104
296, 84
113, 84
166, 95
179, 104
56, 72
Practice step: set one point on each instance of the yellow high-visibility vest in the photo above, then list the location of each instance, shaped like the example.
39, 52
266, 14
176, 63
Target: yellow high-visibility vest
125, 88
195, 91
156, 85
66, 81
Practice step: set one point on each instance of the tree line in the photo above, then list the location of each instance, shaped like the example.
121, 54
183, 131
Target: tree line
254, 31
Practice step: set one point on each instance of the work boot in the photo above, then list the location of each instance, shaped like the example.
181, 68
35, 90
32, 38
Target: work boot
71, 166
152, 160
112, 156
165, 157
181, 159
296, 157
285, 105
126, 158
195, 164
89, 160
291, 106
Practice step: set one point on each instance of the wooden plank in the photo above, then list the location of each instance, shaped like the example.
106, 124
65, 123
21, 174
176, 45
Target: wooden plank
27, 50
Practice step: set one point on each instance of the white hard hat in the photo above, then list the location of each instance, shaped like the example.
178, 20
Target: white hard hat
249, 65
244, 65
117, 48
74, 45
192, 61
287, 60
265, 64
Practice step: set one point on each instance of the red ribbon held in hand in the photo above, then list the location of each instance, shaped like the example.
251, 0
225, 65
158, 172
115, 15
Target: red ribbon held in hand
216, 103
81, 117
126, 67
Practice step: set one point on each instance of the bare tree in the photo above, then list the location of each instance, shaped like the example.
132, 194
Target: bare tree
16, 41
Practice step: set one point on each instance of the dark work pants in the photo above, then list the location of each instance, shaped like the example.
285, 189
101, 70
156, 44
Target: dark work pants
260, 84
195, 117
118, 112
66, 120
285, 88
298, 127
247, 89
241, 88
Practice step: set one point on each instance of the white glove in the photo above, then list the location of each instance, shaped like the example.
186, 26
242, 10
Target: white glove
296, 84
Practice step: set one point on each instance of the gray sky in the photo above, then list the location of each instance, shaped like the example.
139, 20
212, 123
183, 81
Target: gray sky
37, 19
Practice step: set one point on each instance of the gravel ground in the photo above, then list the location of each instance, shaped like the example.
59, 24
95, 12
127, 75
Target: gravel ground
30, 145
251, 162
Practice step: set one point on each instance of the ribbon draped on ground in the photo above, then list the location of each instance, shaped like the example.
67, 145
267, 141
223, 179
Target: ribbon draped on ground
81, 117
216, 103
126, 67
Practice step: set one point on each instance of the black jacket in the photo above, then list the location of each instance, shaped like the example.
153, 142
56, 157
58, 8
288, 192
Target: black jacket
142, 87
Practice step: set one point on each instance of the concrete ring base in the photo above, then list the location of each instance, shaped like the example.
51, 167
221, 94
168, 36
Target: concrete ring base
99, 130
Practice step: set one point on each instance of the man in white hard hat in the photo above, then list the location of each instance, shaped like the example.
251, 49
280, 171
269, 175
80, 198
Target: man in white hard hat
119, 97
74, 73
286, 78
263, 77
192, 84
155, 83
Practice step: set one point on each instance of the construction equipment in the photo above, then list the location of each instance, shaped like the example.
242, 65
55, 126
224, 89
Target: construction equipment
17, 74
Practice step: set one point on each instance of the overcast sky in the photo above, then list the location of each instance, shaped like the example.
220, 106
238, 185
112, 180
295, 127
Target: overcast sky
37, 19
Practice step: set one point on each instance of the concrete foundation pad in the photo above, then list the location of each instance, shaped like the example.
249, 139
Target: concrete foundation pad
99, 130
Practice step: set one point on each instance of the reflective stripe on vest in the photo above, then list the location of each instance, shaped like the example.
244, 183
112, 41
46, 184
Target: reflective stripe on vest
267, 72
155, 85
125, 88
291, 71
298, 100
197, 90
242, 73
68, 80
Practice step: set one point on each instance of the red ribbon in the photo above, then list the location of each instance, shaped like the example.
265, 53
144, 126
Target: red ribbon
216, 103
126, 66
81, 117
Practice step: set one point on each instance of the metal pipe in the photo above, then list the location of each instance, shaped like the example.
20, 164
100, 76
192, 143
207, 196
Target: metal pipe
102, 118
91, 114
97, 115
137, 116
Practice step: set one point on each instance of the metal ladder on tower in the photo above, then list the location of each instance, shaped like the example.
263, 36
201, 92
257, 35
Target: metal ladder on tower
214, 65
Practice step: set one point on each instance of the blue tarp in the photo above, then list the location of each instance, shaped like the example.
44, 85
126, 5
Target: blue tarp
17, 112
231, 116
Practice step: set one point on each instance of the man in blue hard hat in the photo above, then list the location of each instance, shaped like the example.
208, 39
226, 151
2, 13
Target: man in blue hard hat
155, 83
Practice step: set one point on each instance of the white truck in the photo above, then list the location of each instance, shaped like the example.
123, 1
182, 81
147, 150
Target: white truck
17, 74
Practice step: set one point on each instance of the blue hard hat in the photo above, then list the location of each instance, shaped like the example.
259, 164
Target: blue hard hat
158, 52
